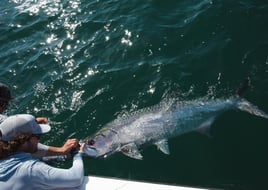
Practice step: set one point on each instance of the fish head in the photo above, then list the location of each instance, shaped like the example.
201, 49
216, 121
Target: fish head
101, 144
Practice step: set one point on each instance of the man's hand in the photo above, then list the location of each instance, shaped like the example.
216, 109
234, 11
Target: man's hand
42, 120
70, 145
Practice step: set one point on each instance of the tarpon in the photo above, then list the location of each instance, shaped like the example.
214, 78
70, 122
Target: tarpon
127, 134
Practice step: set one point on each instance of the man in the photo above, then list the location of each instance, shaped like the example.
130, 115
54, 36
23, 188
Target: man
43, 150
19, 170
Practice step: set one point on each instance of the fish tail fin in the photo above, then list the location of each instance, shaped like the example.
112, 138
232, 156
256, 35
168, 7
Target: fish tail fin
244, 105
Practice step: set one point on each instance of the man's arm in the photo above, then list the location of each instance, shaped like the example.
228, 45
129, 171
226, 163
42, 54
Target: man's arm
44, 150
69, 145
44, 176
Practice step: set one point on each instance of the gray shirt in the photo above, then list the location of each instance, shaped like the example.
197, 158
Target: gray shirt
22, 171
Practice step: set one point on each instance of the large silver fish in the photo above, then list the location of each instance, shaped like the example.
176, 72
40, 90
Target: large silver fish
129, 133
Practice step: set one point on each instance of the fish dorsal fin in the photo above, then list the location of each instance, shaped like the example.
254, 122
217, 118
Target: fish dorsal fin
131, 150
163, 146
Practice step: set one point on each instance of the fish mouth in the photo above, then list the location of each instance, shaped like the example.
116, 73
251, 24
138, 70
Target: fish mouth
90, 151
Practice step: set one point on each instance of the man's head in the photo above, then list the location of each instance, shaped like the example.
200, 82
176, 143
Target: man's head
5, 97
21, 124
20, 133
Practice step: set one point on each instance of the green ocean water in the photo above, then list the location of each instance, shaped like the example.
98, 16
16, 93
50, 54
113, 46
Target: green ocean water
84, 63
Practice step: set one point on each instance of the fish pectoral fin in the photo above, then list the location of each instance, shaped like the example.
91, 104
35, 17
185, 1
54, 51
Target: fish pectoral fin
163, 146
132, 151
204, 128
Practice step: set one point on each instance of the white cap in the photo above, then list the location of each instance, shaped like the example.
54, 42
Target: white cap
21, 123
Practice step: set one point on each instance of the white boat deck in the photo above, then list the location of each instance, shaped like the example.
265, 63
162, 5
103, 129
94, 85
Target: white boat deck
103, 183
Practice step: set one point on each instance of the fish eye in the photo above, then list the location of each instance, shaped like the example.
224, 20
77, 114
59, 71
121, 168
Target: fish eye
91, 142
